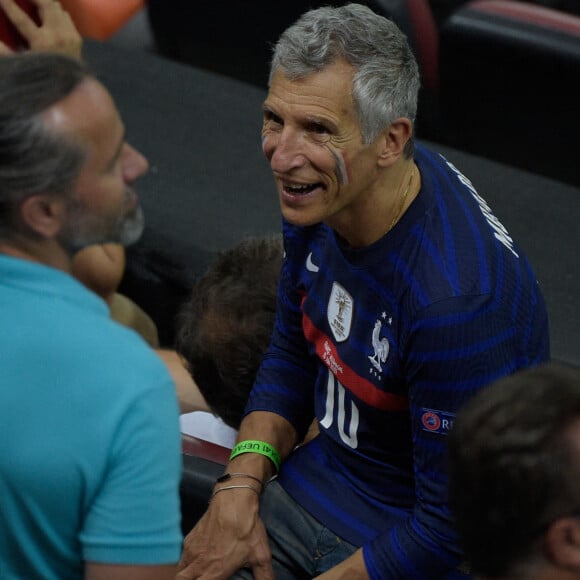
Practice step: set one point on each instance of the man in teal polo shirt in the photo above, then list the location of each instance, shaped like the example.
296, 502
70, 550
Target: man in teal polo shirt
90, 463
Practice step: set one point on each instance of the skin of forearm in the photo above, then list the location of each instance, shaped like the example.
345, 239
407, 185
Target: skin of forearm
188, 393
268, 427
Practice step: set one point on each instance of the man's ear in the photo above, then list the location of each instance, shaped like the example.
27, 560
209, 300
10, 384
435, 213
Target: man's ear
563, 543
44, 214
392, 141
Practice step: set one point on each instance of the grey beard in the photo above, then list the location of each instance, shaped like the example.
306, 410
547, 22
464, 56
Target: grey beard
82, 232
132, 227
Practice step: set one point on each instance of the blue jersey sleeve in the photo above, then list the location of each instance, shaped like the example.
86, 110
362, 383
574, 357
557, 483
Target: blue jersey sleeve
455, 347
285, 382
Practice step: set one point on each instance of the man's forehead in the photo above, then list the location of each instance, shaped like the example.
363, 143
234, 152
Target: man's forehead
338, 69
88, 102
326, 94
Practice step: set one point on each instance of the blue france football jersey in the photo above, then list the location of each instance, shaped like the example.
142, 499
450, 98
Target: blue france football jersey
383, 345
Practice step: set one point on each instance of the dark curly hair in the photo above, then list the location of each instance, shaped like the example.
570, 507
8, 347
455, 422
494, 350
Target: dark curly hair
514, 468
226, 326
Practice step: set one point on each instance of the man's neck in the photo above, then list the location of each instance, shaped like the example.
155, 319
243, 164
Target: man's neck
375, 214
45, 252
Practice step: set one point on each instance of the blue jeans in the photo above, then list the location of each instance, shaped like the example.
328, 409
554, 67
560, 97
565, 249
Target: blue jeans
301, 546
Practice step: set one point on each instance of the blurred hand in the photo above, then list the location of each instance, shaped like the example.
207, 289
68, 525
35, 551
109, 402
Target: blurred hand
55, 33
100, 268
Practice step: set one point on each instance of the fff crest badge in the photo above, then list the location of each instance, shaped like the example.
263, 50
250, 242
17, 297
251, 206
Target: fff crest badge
339, 312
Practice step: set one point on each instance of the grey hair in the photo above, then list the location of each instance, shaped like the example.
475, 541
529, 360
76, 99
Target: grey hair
386, 80
32, 158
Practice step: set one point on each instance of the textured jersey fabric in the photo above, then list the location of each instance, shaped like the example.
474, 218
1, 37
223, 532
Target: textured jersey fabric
384, 344
89, 430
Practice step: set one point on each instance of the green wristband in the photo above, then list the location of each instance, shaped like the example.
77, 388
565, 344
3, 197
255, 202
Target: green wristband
261, 447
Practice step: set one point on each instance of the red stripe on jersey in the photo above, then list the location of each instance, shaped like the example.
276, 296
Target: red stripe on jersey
362, 388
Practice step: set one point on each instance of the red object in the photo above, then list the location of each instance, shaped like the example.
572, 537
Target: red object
8, 33
100, 19
204, 449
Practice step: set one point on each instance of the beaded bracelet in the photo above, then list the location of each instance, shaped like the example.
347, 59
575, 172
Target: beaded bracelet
261, 447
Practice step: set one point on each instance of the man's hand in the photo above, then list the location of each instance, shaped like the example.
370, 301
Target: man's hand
231, 534
55, 33
100, 267
228, 537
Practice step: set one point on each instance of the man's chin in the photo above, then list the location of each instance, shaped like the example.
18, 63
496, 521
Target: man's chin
125, 233
132, 228
301, 218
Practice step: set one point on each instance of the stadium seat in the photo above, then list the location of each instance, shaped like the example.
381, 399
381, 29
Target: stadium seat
203, 463
507, 85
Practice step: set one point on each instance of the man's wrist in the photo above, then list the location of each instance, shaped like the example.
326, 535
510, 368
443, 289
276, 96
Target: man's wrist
217, 490
236, 475
260, 447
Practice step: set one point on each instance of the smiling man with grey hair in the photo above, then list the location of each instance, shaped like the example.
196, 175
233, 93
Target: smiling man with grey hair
401, 295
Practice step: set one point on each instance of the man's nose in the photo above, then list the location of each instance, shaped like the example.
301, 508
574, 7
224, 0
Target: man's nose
287, 150
134, 163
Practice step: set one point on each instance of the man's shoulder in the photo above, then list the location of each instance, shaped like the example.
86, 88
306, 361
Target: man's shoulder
68, 327
120, 343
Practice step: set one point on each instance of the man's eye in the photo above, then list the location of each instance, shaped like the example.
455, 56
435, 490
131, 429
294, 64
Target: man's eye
319, 129
272, 119
318, 133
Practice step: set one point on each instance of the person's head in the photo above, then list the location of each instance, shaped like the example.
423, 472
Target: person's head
226, 326
514, 467
341, 105
65, 168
